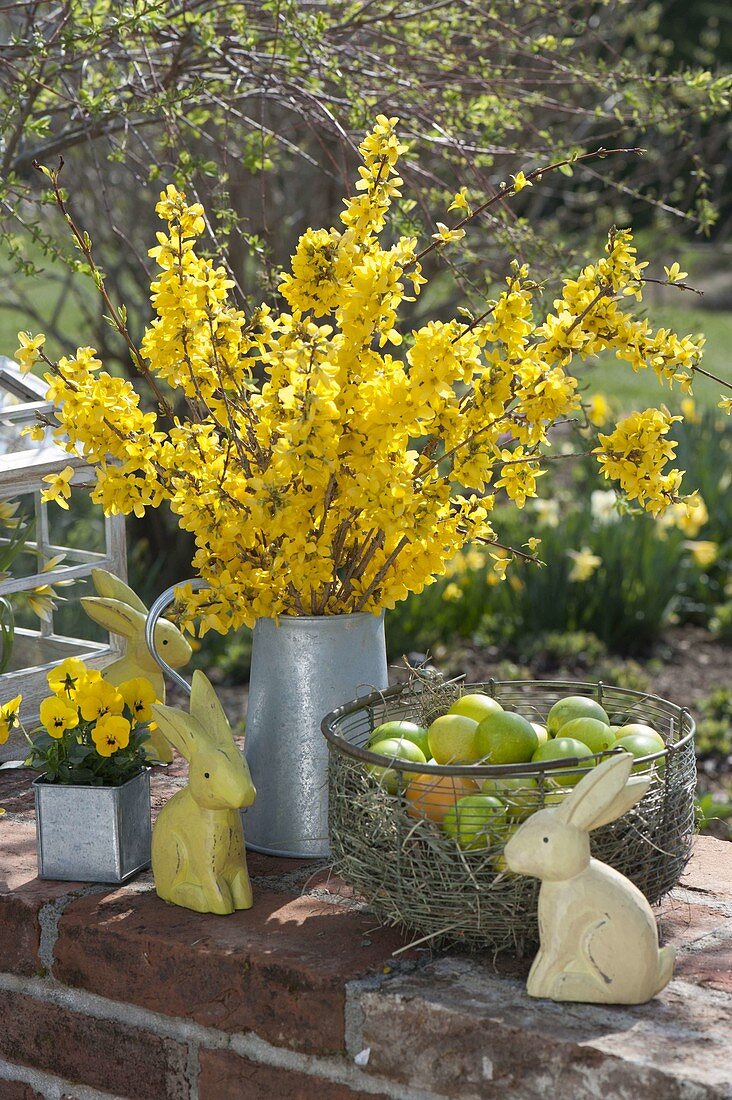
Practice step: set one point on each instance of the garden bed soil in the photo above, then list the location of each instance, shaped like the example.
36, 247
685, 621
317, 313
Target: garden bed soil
686, 668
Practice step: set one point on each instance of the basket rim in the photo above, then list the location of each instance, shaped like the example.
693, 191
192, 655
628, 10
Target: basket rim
568, 764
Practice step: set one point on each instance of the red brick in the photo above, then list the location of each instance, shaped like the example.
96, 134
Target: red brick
710, 868
18, 1090
22, 896
16, 793
104, 1054
279, 969
227, 1076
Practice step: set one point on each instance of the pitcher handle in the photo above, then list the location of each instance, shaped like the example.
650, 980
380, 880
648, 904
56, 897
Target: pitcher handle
162, 602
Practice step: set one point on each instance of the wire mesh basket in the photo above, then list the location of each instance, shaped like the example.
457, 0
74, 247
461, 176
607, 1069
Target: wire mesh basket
425, 860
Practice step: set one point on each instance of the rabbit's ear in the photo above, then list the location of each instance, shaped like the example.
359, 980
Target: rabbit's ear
604, 795
207, 710
179, 728
106, 584
114, 615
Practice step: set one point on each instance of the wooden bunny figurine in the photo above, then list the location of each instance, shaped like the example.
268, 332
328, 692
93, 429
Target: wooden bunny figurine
198, 854
598, 936
121, 611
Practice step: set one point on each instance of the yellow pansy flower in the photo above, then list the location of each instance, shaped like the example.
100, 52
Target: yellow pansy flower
112, 732
138, 695
9, 717
97, 699
57, 715
65, 678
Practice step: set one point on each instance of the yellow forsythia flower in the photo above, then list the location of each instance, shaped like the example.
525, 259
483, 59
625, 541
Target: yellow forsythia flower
59, 489
335, 462
28, 351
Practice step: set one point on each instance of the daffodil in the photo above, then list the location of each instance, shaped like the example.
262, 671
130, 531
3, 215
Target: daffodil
112, 732
57, 715
584, 564
704, 552
598, 410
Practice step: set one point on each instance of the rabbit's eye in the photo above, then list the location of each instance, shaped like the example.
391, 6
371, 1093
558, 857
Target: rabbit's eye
206, 775
546, 839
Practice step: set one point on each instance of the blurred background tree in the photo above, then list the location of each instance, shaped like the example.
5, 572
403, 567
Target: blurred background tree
256, 108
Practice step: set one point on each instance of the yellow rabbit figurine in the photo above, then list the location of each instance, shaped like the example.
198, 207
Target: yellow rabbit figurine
198, 854
121, 611
599, 941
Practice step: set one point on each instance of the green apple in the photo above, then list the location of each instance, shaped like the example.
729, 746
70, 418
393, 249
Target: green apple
398, 728
640, 744
573, 706
477, 706
506, 738
540, 732
563, 748
395, 749
470, 820
596, 735
451, 739
640, 729
519, 793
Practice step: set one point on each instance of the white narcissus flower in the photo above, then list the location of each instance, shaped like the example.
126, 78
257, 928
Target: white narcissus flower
602, 506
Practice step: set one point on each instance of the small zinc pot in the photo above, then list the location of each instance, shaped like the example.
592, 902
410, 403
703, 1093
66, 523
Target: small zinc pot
302, 667
93, 834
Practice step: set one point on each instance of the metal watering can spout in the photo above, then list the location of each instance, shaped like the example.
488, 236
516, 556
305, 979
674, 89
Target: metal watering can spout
162, 602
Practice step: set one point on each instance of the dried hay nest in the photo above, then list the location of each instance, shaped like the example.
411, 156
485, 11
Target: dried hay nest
392, 851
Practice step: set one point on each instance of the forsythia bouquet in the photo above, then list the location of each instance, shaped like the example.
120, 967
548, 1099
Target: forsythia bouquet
353, 472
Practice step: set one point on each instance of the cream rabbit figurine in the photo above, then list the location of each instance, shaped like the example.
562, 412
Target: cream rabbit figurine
120, 610
198, 854
598, 936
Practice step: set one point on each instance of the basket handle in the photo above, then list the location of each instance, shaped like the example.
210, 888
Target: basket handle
162, 602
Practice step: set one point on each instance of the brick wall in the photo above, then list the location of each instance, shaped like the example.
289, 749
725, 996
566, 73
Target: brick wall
112, 993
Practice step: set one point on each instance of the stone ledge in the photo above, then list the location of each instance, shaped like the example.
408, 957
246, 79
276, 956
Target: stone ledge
458, 1028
